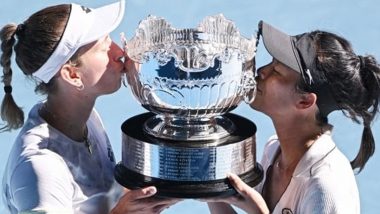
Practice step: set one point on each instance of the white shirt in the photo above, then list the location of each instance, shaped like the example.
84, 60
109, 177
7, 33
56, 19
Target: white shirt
323, 181
49, 172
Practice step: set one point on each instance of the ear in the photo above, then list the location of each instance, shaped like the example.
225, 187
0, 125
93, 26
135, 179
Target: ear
306, 100
71, 75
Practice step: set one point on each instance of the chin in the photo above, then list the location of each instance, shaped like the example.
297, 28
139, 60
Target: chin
113, 89
254, 107
116, 88
254, 104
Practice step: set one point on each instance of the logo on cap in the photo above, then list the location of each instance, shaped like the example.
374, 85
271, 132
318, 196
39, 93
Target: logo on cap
86, 9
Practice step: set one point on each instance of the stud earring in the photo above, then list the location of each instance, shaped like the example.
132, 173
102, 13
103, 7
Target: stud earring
81, 87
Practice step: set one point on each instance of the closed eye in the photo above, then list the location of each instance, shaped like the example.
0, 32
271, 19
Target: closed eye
276, 71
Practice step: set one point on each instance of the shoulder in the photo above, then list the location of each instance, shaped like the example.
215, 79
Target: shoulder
325, 180
331, 186
328, 195
39, 180
39, 168
33, 139
35, 174
331, 161
30, 155
34, 133
324, 158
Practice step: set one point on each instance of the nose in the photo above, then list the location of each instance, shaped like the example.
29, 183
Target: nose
260, 73
117, 53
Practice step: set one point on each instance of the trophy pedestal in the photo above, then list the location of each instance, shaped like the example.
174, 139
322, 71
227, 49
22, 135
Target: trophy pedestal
187, 169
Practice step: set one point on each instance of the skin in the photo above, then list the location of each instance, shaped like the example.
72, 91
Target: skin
293, 115
100, 72
68, 108
142, 201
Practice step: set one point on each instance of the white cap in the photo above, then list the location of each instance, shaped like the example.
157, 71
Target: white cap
85, 25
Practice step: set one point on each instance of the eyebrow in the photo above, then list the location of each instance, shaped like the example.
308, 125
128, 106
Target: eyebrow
275, 68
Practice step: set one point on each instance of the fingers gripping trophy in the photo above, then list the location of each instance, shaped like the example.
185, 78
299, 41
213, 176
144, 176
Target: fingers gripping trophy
188, 80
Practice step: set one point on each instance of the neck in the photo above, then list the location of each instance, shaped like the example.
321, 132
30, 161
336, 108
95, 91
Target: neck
295, 138
68, 115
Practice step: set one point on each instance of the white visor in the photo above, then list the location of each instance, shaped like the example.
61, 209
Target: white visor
85, 25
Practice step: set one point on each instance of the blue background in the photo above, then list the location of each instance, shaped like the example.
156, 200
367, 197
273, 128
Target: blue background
358, 21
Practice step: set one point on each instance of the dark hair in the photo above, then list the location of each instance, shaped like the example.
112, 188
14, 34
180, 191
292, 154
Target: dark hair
36, 40
354, 82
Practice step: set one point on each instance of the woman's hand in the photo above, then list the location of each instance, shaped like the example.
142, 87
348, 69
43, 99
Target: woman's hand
142, 201
248, 199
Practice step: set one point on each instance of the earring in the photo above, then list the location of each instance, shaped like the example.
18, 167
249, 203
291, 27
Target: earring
81, 87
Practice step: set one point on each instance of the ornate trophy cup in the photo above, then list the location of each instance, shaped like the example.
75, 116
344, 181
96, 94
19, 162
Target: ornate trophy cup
189, 80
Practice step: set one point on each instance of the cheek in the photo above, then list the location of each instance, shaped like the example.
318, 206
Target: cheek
280, 94
95, 69
274, 95
94, 72
99, 64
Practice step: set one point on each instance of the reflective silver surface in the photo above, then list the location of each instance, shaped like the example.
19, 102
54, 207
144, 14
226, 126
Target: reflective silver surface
191, 75
192, 163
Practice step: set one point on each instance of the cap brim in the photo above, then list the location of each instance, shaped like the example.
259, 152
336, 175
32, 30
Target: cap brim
84, 26
280, 46
105, 20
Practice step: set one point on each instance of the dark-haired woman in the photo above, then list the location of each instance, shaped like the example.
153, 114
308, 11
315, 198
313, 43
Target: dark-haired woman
62, 160
311, 75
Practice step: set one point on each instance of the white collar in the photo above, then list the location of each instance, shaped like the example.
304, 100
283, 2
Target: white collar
317, 152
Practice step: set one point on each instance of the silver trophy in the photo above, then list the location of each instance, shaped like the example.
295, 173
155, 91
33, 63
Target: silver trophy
189, 80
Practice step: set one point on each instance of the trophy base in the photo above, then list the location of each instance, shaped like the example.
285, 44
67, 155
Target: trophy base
187, 169
185, 189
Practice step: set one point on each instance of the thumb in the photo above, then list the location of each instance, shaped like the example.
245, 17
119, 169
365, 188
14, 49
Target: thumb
142, 193
239, 185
